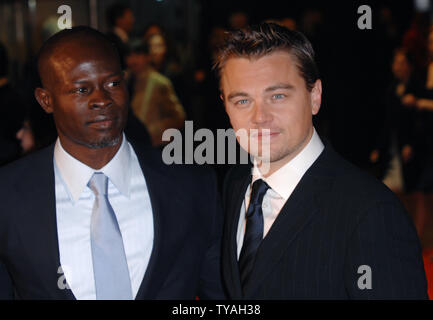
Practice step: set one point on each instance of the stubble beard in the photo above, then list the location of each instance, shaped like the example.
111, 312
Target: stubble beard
103, 143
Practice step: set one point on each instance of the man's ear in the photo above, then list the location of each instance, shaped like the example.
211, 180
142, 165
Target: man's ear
44, 99
316, 97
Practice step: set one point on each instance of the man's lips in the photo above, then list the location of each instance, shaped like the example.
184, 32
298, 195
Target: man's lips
260, 135
267, 134
102, 121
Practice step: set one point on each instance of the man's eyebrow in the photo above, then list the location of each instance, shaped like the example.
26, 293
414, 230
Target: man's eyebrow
237, 94
280, 86
80, 81
114, 74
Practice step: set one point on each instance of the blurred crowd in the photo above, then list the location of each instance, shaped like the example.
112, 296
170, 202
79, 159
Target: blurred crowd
167, 86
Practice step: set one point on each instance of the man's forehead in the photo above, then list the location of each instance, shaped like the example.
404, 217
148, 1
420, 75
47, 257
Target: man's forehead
81, 50
82, 60
274, 57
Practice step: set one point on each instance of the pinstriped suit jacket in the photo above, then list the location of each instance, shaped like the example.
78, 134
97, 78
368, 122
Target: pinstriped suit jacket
336, 220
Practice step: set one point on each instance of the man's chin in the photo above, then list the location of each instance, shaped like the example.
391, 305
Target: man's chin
103, 143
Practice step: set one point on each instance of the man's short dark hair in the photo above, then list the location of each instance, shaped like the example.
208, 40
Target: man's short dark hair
114, 12
262, 39
83, 33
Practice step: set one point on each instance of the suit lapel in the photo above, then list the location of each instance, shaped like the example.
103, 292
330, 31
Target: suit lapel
40, 229
302, 206
167, 234
237, 193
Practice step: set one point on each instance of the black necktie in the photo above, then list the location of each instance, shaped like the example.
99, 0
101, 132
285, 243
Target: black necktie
253, 232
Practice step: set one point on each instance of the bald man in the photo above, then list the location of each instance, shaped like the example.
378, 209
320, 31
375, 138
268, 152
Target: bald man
95, 216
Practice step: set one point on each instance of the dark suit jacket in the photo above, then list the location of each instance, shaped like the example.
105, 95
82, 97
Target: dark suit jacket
336, 220
187, 217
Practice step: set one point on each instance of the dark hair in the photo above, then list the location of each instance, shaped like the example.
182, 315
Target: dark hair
137, 46
153, 24
409, 56
83, 33
259, 40
4, 61
114, 12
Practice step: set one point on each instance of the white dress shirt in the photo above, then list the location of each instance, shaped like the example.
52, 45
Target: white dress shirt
129, 197
282, 183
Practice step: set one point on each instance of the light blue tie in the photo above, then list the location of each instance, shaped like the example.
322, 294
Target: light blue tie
109, 260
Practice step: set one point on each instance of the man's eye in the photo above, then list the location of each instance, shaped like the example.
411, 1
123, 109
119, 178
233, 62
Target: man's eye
81, 90
114, 83
242, 101
278, 96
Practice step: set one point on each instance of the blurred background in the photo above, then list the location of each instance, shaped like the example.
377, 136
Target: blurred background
377, 107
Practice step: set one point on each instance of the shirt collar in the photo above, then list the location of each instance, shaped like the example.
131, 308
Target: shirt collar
284, 180
76, 174
121, 34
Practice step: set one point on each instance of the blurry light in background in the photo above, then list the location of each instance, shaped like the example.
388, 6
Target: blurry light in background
32, 4
422, 5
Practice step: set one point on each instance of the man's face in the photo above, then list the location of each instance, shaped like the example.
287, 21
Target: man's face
87, 95
269, 93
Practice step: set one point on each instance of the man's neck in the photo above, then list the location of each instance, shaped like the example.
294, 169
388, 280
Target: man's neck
94, 158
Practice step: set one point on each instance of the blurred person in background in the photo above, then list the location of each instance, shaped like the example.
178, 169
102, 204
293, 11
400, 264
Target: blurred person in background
207, 109
11, 113
153, 101
158, 51
169, 58
121, 21
163, 54
415, 38
206, 106
37, 131
152, 29
422, 102
396, 154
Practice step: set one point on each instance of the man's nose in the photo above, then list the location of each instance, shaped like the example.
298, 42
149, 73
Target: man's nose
100, 99
261, 113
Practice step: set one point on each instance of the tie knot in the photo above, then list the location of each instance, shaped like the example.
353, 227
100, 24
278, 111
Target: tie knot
258, 191
98, 183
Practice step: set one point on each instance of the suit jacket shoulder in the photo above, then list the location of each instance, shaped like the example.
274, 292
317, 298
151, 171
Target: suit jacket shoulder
337, 219
23, 175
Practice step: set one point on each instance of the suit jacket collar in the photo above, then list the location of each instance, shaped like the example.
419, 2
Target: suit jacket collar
39, 193
153, 276
167, 234
46, 245
302, 206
